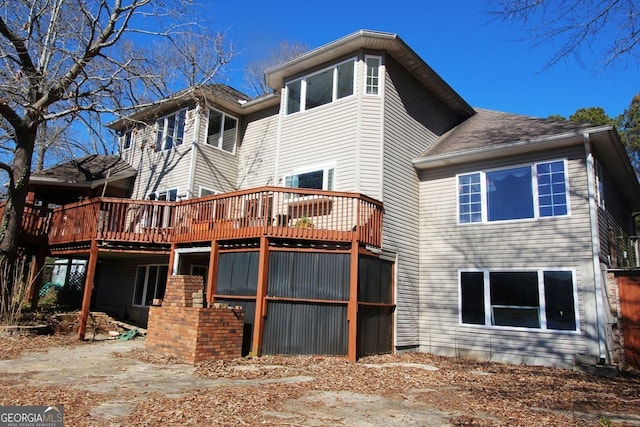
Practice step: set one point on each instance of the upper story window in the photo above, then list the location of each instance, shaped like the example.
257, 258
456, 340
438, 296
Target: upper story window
318, 178
170, 131
542, 299
126, 139
204, 191
523, 192
372, 82
321, 88
222, 131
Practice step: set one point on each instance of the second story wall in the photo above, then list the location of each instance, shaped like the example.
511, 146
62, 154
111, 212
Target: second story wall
257, 150
413, 119
161, 168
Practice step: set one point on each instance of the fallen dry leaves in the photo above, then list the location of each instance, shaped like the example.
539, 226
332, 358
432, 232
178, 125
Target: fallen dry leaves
474, 393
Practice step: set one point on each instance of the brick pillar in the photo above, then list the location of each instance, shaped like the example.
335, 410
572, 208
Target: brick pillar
183, 328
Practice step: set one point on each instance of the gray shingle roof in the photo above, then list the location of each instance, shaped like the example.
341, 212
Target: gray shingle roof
489, 128
86, 169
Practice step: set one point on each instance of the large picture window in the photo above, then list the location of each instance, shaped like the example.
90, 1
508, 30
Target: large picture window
543, 299
170, 131
523, 192
320, 178
320, 88
222, 131
151, 281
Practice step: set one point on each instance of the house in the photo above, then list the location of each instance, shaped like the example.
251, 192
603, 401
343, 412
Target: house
365, 207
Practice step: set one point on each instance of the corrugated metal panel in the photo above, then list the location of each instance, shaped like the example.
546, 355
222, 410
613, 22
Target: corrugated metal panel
296, 328
237, 273
375, 329
307, 275
375, 280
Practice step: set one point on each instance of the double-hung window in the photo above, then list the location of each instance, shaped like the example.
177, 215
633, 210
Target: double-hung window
523, 192
320, 88
222, 131
320, 178
170, 131
541, 299
151, 281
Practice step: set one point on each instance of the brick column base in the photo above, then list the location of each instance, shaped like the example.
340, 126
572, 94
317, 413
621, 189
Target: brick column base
192, 334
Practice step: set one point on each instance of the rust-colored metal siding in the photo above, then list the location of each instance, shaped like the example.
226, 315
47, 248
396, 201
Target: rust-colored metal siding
629, 287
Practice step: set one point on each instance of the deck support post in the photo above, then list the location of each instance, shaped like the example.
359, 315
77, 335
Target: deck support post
212, 272
352, 307
261, 295
36, 276
88, 288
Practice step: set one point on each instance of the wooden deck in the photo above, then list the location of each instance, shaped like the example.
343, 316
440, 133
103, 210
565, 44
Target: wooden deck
273, 212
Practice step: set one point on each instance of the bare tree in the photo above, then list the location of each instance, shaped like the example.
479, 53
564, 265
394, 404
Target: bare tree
573, 24
255, 70
71, 61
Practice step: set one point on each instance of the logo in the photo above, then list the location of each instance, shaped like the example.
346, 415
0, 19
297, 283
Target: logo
32, 416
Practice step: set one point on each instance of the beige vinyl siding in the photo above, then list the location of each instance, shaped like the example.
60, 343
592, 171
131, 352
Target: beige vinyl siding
257, 152
114, 283
162, 170
371, 140
321, 135
215, 169
413, 118
446, 248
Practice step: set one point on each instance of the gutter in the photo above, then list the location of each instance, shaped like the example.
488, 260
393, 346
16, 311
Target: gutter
516, 147
595, 249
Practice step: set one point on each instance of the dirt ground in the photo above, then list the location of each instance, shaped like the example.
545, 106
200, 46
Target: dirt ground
118, 383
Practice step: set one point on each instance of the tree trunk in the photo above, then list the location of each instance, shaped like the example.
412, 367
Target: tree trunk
18, 189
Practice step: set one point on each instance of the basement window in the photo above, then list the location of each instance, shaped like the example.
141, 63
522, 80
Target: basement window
541, 299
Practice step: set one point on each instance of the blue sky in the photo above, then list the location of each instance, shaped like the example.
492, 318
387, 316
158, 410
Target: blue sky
480, 57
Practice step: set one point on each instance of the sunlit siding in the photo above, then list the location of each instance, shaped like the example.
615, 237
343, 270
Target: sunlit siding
370, 154
413, 118
215, 169
446, 247
322, 135
257, 152
162, 170
115, 282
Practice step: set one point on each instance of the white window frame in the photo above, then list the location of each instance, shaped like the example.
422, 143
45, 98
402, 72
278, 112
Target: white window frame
146, 283
126, 139
325, 168
534, 184
334, 89
164, 212
377, 77
176, 138
203, 189
219, 144
541, 299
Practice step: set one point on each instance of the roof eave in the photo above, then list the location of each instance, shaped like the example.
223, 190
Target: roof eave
374, 40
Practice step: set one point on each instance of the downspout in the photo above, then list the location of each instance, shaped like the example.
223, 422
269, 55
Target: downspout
194, 153
278, 136
595, 249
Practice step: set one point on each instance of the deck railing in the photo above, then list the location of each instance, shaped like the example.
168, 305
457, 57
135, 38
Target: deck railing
280, 213
35, 220
270, 211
